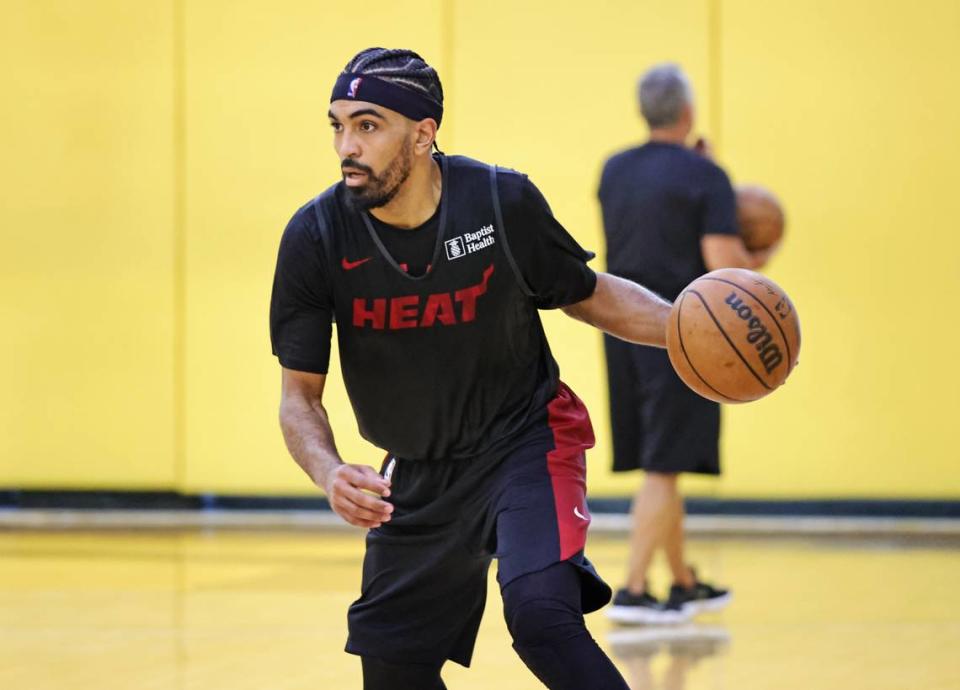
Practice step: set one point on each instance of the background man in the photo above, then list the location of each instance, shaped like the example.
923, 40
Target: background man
669, 216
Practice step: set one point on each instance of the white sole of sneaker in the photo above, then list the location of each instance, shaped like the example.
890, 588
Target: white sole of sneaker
636, 615
708, 606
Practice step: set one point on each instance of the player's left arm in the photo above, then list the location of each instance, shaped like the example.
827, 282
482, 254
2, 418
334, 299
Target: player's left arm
554, 267
625, 310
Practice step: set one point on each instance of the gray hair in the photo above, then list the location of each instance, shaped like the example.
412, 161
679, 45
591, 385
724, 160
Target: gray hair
663, 91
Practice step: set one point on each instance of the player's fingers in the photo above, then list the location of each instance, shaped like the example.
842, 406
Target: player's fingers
360, 512
355, 515
345, 490
358, 522
369, 479
368, 501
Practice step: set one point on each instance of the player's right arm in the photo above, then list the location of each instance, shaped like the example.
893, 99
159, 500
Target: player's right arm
729, 251
353, 490
301, 315
720, 242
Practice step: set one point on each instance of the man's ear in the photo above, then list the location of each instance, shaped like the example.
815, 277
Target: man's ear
426, 133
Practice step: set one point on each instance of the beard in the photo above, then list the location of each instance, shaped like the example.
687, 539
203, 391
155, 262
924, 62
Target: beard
381, 189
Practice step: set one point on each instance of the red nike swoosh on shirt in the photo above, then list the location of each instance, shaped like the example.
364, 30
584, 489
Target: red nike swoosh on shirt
350, 265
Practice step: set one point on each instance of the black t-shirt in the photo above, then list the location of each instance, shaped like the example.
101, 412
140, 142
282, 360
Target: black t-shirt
658, 201
550, 260
438, 362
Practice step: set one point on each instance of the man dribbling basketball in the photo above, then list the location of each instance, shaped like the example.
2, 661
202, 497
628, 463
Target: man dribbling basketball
434, 268
669, 216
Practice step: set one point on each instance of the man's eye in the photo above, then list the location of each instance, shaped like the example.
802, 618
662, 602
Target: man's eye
336, 126
367, 126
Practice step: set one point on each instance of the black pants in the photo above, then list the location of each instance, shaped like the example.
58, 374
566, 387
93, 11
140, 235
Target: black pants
425, 571
658, 423
543, 615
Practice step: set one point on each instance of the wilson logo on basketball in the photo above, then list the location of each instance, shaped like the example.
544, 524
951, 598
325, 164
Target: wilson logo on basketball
757, 334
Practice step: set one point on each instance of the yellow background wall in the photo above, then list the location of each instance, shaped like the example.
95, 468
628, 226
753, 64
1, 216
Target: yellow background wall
153, 153
86, 244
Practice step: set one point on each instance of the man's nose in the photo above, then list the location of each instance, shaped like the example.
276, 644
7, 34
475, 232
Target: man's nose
348, 146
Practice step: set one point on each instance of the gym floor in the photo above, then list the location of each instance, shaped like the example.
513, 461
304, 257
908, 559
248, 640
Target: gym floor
207, 609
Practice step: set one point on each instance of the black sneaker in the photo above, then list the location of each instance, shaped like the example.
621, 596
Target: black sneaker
639, 609
700, 598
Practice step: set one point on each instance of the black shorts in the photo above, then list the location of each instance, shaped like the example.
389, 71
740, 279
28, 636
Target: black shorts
425, 572
658, 423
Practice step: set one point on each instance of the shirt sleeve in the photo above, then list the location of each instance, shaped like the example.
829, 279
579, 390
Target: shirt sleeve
301, 311
552, 263
719, 204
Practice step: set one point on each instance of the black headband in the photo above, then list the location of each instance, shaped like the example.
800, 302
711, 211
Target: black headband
365, 87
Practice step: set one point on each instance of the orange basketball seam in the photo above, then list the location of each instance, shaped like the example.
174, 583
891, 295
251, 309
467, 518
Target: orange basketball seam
727, 338
786, 342
683, 349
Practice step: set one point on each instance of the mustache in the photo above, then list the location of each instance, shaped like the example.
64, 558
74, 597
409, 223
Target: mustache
354, 165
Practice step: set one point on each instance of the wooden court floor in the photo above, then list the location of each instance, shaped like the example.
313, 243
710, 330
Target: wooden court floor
265, 610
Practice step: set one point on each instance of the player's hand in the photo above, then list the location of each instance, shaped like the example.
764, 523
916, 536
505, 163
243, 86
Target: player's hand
355, 493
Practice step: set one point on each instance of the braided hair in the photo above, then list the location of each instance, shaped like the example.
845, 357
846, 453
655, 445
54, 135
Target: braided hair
401, 67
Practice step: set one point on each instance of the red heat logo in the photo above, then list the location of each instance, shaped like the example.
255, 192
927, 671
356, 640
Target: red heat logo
409, 311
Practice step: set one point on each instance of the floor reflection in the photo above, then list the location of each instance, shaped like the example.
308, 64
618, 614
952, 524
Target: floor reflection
661, 657
258, 610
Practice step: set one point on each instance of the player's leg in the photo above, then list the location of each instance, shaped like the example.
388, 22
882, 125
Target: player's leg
411, 562
384, 675
632, 392
673, 545
540, 532
403, 637
544, 617
686, 440
680, 433
651, 519
652, 523
688, 593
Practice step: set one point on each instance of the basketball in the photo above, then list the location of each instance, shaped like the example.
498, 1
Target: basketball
760, 217
733, 335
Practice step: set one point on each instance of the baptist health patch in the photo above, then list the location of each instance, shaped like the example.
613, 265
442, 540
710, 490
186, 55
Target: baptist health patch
469, 242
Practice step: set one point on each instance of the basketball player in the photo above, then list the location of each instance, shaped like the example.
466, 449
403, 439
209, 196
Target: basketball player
433, 268
669, 216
